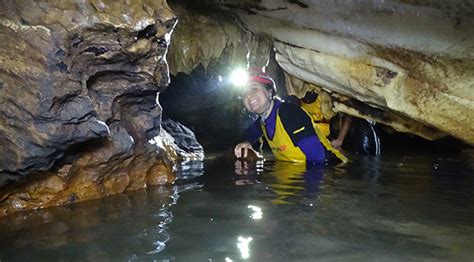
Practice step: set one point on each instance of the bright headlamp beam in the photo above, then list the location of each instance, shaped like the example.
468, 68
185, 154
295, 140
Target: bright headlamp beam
239, 77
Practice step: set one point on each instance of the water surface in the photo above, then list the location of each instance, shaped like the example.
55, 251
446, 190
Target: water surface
389, 208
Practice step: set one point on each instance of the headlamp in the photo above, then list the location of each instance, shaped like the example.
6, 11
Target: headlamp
239, 77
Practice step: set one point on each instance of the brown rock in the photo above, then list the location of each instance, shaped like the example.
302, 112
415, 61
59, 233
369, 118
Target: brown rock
78, 88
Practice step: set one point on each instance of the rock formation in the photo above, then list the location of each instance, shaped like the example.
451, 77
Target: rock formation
78, 93
406, 64
205, 48
184, 141
214, 40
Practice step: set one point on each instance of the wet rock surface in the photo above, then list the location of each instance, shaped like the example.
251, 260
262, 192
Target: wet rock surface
187, 146
78, 89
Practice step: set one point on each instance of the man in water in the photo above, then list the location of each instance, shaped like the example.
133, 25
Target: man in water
288, 129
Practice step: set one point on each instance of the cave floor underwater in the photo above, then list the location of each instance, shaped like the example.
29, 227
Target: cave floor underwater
386, 208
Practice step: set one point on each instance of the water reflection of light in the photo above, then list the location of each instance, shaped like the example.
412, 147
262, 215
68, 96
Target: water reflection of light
243, 245
165, 215
257, 212
162, 230
189, 169
227, 259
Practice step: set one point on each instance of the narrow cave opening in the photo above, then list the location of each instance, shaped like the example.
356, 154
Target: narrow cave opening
204, 102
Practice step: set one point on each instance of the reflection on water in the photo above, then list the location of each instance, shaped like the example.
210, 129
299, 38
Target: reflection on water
394, 207
127, 226
290, 180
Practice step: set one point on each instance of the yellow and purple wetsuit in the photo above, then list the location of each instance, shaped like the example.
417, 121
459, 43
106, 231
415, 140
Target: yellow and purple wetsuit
291, 135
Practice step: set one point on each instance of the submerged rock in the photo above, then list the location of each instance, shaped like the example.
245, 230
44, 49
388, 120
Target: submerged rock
78, 88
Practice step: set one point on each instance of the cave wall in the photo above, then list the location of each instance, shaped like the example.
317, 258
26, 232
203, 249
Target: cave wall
79, 116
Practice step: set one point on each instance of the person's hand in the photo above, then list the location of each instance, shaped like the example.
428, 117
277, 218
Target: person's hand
337, 143
245, 147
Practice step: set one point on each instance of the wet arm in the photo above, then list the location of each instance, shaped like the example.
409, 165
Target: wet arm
345, 126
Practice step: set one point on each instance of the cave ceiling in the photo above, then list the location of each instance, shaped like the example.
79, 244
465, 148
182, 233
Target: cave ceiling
406, 64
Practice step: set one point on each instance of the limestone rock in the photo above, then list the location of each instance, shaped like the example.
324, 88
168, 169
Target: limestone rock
100, 168
419, 92
78, 88
212, 37
187, 146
